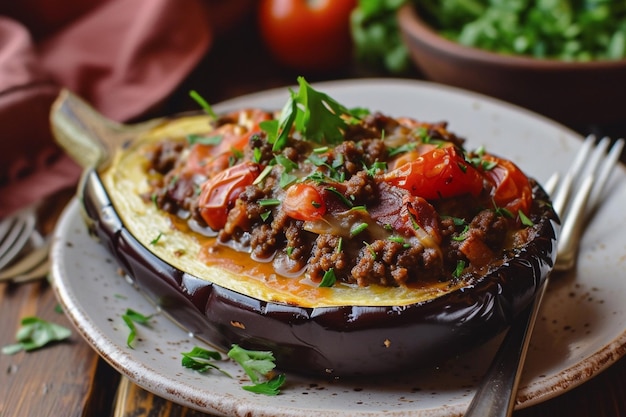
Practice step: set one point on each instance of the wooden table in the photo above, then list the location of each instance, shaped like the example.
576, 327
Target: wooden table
69, 379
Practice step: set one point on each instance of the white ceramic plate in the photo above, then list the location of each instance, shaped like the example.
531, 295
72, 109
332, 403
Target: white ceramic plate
582, 326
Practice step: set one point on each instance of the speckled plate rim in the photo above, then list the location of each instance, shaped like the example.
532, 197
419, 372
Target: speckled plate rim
582, 329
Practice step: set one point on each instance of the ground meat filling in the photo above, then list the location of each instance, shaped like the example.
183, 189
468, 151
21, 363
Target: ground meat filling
351, 217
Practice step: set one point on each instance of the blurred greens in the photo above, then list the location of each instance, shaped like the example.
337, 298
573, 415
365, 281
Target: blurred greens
568, 30
376, 35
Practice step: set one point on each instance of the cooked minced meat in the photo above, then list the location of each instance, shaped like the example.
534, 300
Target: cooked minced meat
395, 202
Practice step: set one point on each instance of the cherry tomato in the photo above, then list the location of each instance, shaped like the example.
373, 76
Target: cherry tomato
219, 193
304, 202
440, 173
410, 156
212, 159
236, 136
512, 188
307, 35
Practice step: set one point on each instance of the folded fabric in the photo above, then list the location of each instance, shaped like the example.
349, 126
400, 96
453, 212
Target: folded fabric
123, 56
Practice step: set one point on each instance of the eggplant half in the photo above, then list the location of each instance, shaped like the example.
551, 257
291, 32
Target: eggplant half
339, 330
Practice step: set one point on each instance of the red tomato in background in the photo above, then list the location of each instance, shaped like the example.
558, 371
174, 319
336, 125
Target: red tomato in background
308, 35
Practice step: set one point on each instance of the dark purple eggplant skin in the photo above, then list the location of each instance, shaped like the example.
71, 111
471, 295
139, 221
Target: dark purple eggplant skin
339, 341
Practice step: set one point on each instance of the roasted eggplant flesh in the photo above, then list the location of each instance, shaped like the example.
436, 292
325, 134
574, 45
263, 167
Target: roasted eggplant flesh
431, 269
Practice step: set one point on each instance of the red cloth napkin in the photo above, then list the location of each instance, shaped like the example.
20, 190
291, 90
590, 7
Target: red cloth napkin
123, 56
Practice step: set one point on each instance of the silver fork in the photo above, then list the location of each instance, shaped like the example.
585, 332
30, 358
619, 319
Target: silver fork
15, 233
588, 174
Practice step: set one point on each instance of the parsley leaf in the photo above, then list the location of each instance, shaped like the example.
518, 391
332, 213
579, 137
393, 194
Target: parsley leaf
204, 140
271, 387
202, 102
130, 318
36, 333
156, 239
200, 359
329, 278
460, 266
257, 364
319, 119
526, 221
315, 115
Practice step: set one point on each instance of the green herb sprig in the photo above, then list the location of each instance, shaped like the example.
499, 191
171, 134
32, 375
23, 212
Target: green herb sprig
130, 318
35, 333
258, 365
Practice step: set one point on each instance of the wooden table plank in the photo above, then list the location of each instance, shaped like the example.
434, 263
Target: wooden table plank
59, 380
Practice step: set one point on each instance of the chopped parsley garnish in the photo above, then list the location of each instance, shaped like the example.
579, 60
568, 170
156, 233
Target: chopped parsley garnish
358, 228
341, 197
370, 250
378, 166
258, 365
458, 221
463, 235
400, 240
488, 165
156, 239
359, 208
460, 266
287, 163
315, 115
501, 211
524, 219
266, 171
256, 155
235, 157
407, 147
423, 134
268, 202
35, 333
130, 318
329, 278
286, 180
270, 387
201, 360
321, 149
204, 140
203, 103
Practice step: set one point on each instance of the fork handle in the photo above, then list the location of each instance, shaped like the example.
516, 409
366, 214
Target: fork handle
494, 396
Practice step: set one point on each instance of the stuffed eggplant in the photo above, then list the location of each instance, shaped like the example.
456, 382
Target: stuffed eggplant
345, 241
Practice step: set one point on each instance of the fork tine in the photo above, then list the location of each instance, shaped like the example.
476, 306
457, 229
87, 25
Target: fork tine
604, 173
5, 225
27, 263
589, 181
572, 226
17, 237
562, 193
